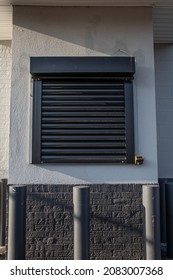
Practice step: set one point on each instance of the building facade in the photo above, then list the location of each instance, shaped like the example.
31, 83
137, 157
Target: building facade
117, 211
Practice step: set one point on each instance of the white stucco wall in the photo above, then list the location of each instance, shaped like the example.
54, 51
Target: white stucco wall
164, 97
5, 83
82, 31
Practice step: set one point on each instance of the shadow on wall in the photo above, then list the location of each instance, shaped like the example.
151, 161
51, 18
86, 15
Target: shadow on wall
89, 27
116, 225
53, 31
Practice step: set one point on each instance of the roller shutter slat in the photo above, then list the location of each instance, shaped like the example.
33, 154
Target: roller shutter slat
83, 125
70, 108
114, 86
82, 120
79, 114
71, 151
83, 132
83, 159
82, 138
88, 144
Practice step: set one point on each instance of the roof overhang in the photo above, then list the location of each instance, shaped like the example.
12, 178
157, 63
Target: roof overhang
162, 13
159, 3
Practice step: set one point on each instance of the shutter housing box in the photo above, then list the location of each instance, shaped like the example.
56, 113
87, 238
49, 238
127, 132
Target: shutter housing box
83, 109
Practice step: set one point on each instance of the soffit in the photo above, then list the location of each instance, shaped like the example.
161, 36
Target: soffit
163, 25
162, 13
89, 2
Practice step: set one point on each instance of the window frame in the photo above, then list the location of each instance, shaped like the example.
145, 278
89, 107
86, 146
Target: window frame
120, 67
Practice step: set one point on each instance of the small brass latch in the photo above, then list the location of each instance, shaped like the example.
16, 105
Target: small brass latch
139, 160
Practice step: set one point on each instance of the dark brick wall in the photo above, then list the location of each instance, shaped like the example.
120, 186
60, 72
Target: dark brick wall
116, 227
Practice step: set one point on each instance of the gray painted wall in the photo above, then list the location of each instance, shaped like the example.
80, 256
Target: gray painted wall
164, 97
82, 31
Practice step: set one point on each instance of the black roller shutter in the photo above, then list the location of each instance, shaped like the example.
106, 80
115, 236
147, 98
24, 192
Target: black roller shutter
83, 119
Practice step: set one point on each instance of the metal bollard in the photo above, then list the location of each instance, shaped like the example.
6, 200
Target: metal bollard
3, 185
152, 221
162, 211
169, 218
81, 222
17, 222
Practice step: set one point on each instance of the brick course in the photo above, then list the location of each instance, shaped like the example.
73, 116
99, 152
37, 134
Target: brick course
116, 225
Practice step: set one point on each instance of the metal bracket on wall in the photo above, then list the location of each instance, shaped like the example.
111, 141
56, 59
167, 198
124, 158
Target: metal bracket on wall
139, 160
120, 51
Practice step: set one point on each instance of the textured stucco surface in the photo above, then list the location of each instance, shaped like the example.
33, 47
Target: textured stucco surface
79, 31
5, 86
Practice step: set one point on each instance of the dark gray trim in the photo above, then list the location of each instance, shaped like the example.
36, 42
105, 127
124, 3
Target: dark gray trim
169, 218
36, 135
3, 190
119, 66
129, 116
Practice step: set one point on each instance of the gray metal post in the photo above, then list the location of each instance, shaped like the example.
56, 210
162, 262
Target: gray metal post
169, 218
162, 211
3, 185
81, 222
152, 221
17, 222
